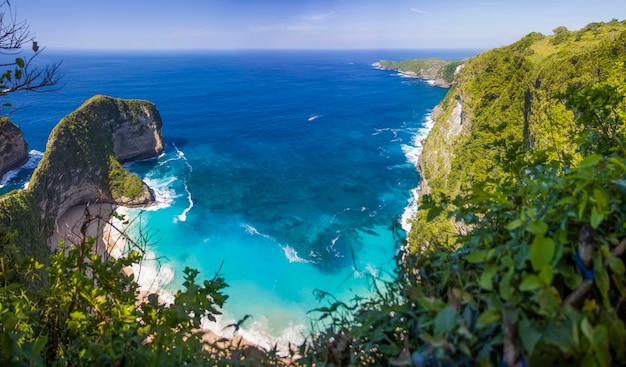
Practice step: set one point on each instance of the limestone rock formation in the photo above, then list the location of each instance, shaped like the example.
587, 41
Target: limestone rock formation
83, 154
13, 148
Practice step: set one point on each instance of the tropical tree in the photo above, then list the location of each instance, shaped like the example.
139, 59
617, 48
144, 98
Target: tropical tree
19, 72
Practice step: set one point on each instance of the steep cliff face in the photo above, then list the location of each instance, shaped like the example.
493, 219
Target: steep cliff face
13, 147
83, 154
82, 165
503, 104
437, 155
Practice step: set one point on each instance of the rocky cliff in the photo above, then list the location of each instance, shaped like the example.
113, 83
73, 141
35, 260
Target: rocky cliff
504, 104
439, 72
13, 147
82, 165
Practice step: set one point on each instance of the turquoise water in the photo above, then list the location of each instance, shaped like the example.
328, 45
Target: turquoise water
283, 170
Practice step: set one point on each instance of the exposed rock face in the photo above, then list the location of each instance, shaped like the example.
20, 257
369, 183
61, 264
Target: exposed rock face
82, 160
13, 148
437, 154
139, 137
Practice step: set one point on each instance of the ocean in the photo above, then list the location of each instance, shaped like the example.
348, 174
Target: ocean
286, 171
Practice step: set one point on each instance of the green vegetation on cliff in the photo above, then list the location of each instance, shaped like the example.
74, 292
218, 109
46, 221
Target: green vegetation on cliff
509, 106
436, 69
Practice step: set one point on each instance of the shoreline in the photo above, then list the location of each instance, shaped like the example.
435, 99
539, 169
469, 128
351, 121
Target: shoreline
111, 243
435, 82
413, 154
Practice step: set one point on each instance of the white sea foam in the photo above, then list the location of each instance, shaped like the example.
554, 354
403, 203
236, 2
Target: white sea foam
378, 66
253, 231
151, 275
410, 211
292, 255
34, 156
378, 131
412, 153
164, 193
183, 216
255, 331
331, 248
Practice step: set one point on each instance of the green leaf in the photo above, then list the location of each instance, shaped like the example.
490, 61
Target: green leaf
590, 161
504, 287
475, 257
620, 184
568, 200
617, 337
445, 321
488, 317
617, 265
537, 227
600, 342
78, 315
39, 344
529, 335
530, 283
586, 329
486, 276
546, 274
508, 261
596, 217
550, 301
600, 197
603, 281
20, 62
514, 224
541, 252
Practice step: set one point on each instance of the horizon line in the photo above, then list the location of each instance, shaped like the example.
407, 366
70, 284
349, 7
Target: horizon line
53, 48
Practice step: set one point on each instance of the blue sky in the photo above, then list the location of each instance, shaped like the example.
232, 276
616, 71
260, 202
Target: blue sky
302, 24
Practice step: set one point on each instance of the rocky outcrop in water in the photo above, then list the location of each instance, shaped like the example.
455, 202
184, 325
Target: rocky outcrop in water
82, 165
83, 154
13, 147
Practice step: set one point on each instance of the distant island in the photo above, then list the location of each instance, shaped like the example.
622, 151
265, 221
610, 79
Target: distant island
439, 72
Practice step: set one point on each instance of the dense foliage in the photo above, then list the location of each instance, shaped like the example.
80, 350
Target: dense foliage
517, 257
90, 316
507, 97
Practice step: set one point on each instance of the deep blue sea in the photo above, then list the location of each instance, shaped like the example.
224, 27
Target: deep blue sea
285, 168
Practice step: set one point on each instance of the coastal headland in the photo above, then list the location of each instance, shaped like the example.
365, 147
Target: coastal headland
83, 164
438, 72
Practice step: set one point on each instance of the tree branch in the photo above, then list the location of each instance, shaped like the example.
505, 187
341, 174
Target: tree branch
579, 293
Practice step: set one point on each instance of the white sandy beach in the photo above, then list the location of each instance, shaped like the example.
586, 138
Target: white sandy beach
110, 242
